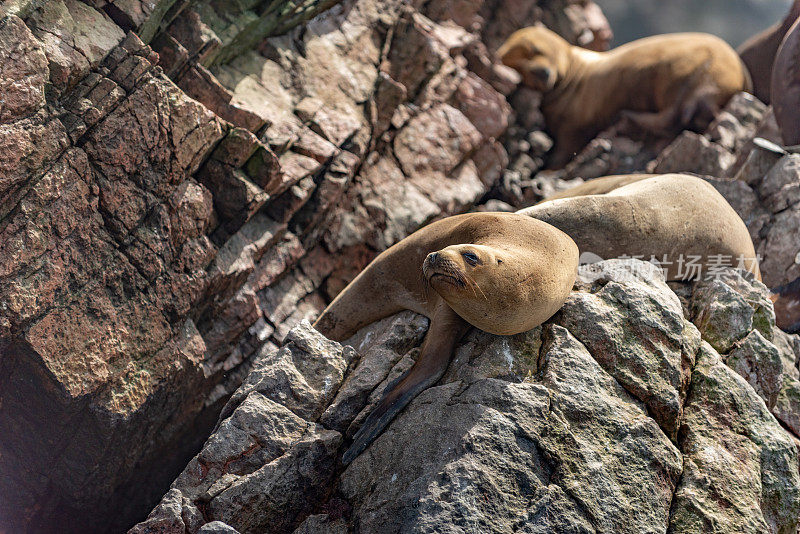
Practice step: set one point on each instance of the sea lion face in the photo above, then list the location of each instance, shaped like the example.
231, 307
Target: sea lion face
538, 54
455, 268
489, 287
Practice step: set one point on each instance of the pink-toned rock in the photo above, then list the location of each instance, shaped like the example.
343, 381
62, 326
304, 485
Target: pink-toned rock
333, 126
202, 85
389, 94
484, 64
236, 147
327, 193
278, 260
294, 168
23, 71
313, 145
264, 169
136, 141
419, 56
195, 36
485, 108
435, 141
236, 198
26, 146
75, 38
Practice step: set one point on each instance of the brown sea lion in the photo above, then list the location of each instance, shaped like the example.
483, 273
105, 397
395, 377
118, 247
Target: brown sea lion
501, 272
759, 51
785, 89
663, 83
786, 299
678, 219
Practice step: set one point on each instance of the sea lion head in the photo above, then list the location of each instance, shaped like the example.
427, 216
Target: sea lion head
541, 57
499, 289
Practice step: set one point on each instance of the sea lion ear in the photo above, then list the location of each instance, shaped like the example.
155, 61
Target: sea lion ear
509, 54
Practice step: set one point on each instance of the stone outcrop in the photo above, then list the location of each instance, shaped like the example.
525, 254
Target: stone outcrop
639, 407
181, 184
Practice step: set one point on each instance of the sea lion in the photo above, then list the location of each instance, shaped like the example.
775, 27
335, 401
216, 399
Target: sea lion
501, 272
674, 218
599, 186
786, 300
663, 83
785, 87
759, 51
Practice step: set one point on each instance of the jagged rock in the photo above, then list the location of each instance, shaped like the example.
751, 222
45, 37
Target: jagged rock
322, 524
694, 153
24, 71
75, 38
613, 416
380, 349
740, 467
217, 527
649, 358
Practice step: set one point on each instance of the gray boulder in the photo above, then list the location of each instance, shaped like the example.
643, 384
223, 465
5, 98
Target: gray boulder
634, 409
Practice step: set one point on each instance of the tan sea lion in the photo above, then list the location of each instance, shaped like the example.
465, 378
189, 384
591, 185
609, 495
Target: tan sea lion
663, 83
759, 51
599, 186
501, 272
674, 218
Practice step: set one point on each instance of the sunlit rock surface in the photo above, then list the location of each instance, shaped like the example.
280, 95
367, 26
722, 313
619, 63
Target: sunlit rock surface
617, 415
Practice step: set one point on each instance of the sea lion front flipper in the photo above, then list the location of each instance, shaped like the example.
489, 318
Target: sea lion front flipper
445, 330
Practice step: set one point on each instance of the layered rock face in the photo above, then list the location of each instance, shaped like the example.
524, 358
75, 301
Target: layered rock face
639, 407
181, 183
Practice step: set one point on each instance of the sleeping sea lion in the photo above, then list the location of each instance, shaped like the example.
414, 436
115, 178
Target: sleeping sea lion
674, 218
501, 272
662, 83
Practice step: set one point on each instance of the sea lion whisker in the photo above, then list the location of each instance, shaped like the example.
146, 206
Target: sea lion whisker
425, 285
479, 289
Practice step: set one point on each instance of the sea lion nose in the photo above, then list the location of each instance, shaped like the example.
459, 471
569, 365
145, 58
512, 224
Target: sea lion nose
542, 73
432, 257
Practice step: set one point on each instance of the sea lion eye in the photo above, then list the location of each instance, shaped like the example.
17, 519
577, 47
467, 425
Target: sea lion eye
470, 258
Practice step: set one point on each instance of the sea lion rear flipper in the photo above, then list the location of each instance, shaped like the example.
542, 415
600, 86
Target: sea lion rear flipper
445, 330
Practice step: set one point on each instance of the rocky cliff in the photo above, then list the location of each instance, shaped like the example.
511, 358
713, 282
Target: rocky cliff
639, 407
183, 182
